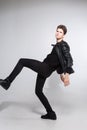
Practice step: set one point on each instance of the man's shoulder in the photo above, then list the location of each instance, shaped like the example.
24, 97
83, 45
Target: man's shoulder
64, 42
65, 46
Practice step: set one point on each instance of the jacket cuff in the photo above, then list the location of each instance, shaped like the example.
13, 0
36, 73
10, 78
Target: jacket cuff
69, 70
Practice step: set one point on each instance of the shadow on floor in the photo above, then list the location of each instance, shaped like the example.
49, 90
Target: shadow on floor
28, 106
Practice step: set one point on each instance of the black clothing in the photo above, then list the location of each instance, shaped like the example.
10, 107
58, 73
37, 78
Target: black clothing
49, 115
40, 67
39, 92
44, 69
5, 83
52, 59
65, 58
60, 58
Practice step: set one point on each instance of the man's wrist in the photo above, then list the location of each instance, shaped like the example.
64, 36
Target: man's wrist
67, 74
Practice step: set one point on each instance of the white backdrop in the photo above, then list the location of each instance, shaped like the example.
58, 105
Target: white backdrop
27, 30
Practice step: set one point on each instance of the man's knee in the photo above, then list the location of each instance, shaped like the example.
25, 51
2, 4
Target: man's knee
20, 60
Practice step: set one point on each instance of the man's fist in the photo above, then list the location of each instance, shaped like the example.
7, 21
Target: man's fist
65, 79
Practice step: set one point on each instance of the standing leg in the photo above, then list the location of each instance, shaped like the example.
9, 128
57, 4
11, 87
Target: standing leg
38, 90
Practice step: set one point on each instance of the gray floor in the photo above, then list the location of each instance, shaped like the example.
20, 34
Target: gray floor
16, 115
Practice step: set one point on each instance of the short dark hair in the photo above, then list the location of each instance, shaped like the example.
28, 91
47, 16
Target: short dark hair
63, 27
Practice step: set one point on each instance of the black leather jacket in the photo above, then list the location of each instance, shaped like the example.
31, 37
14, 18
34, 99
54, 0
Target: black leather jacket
65, 58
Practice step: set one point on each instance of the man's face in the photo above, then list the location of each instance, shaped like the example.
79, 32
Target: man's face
59, 34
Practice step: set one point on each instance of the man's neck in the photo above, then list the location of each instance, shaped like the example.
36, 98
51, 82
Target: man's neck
59, 40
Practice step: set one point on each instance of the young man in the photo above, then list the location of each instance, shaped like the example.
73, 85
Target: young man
59, 59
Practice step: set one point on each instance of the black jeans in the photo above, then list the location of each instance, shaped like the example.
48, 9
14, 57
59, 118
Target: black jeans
43, 71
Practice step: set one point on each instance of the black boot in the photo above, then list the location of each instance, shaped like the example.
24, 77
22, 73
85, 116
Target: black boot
49, 115
5, 83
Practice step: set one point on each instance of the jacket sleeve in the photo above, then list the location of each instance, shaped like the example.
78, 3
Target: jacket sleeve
68, 57
67, 70
67, 54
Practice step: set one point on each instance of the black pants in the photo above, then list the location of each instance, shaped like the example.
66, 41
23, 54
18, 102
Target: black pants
43, 71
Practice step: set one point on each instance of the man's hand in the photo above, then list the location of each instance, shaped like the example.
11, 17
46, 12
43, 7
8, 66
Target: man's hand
65, 79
